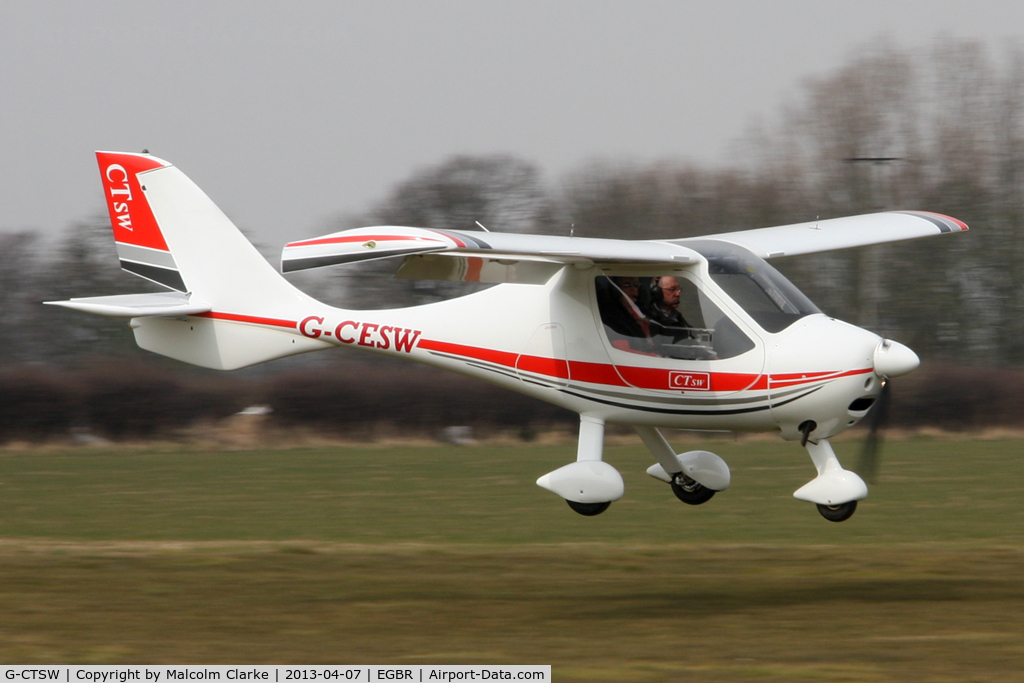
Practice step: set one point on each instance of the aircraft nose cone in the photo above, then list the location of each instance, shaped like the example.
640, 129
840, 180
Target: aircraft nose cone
893, 359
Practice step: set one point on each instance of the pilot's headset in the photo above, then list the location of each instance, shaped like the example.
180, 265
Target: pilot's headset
654, 293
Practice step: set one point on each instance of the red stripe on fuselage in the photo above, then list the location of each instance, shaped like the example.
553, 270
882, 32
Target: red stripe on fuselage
592, 373
625, 376
595, 373
804, 378
490, 355
551, 367
256, 320
658, 378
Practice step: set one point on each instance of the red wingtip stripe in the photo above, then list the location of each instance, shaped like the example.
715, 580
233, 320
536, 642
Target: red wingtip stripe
960, 224
458, 242
952, 222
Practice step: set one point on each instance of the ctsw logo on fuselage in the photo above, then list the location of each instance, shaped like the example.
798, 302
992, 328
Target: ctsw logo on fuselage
689, 381
372, 335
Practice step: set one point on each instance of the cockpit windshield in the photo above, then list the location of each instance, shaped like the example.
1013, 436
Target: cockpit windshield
666, 316
763, 292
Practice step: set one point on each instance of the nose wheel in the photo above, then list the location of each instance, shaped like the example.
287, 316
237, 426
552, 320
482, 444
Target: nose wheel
838, 513
690, 491
835, 491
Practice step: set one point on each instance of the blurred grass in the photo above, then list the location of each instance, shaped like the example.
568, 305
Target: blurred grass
453, 555
964, 491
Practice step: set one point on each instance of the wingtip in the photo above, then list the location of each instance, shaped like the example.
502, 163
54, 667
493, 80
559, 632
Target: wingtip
943, 222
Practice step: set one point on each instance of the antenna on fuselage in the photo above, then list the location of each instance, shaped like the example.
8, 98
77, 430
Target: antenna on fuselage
481, 226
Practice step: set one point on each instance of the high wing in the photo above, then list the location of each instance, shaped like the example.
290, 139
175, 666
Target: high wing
477, 256
507, 257
840, 233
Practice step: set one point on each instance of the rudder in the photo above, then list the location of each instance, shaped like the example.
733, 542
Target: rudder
169, 231
141, 247
230, 308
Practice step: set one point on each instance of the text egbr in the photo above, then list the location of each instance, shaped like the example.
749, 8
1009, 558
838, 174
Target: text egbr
383, 337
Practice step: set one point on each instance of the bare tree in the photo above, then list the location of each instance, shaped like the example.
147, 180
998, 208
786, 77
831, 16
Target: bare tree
84, 263
19, 292
500, 192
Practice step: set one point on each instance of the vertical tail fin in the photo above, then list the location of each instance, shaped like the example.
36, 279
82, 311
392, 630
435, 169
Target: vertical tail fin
232, 309
141, 246
169, 231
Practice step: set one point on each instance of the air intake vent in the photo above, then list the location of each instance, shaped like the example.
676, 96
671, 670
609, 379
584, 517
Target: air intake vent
861, 404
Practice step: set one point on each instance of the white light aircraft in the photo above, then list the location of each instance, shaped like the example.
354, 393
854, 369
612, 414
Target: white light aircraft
698, 333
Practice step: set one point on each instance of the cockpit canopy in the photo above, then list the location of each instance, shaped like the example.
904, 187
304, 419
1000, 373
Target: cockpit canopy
670, 316
763, 292
666, 316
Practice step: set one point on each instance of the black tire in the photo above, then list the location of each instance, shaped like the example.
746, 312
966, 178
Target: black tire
689, 491
838, 513
588, 509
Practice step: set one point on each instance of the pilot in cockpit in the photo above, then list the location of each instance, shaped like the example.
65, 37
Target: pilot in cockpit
663, 310
666, 316
628, 327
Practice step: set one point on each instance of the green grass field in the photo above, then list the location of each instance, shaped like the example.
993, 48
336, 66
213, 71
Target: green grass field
454, 555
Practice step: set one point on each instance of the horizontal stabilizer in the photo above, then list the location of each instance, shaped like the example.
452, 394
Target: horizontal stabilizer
137, 305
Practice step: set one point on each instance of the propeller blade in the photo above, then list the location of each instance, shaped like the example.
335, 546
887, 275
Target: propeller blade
871, 452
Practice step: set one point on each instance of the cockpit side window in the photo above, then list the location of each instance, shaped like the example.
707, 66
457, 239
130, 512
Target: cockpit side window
763, 292
666, 316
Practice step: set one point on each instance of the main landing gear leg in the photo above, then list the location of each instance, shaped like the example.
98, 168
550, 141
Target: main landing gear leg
590, 448
835, 491
694, 476
588, 485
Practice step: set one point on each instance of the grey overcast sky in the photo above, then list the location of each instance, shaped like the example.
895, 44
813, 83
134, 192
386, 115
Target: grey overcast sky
290, 113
